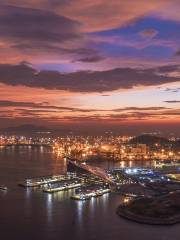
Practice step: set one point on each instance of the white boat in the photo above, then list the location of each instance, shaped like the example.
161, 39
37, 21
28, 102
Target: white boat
2, 187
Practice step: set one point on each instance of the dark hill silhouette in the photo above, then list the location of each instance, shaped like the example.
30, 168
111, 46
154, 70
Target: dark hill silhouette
149, 140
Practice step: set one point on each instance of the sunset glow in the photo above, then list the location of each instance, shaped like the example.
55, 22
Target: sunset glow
104, 63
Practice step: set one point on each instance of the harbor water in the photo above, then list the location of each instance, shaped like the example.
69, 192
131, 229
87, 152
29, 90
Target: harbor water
32, 214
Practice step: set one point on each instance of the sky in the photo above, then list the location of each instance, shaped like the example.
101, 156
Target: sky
97, 64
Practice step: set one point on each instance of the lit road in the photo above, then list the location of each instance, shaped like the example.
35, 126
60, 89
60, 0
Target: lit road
94, 170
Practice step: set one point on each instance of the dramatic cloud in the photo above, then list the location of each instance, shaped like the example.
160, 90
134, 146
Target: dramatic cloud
36, 25
66, 61
98, 15
83, 81
30, 32
35, 30
168, 68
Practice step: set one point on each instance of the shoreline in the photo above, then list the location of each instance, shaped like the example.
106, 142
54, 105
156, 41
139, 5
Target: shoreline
123, 212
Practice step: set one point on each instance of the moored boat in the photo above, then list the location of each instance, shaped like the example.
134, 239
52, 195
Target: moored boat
2, 187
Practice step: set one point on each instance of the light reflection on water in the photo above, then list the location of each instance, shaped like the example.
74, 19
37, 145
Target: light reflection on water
32, 214
92, 204
28, 193
49, 206
80, 210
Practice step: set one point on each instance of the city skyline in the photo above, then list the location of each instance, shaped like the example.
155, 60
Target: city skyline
108, 64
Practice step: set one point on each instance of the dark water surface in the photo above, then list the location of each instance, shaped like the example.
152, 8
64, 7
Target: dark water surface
31, 214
